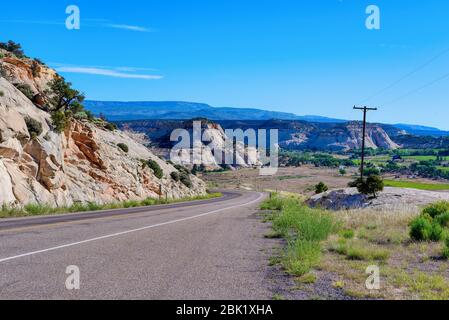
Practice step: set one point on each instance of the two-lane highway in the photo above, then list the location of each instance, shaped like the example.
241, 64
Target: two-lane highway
197, 250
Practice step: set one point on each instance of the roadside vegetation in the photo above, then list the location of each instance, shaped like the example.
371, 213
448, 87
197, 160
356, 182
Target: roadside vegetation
336, 248
303, 229
42, 209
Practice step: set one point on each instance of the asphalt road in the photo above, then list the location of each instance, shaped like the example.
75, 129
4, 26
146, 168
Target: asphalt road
198, 250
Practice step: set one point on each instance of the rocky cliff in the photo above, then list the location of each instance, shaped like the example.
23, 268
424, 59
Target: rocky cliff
82, 163
293, 134
211, 151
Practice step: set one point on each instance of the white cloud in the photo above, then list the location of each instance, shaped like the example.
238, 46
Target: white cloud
128, 27
92, 23
106, 72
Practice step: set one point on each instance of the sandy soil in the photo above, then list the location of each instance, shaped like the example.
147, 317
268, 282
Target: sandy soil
297, 180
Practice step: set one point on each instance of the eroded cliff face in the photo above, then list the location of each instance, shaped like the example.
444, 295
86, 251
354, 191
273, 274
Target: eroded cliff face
213, 151
340, 137
81, 164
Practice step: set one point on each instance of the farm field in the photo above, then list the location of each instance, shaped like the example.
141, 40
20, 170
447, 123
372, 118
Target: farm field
416, 185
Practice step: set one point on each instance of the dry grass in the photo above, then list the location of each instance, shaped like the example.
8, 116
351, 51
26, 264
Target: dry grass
408, 270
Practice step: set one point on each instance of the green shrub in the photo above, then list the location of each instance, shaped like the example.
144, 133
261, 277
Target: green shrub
437, 233
422, 229
60, 121
181, 168
301, 256
1, 93
80, 115
185, 179
38, 209
34, 127
13, 47
175, 176
110, 126
275, 202
321, 187
347, 234
131, 204
26, 90
156, 168
123, 146
443, 219
369, 186
436, 209
2, 55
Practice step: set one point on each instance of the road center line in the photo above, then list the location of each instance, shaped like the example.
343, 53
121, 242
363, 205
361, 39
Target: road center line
129, 231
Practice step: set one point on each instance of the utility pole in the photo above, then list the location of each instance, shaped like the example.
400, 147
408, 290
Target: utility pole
365, 109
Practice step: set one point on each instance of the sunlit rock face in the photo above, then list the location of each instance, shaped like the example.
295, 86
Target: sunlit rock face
81, 164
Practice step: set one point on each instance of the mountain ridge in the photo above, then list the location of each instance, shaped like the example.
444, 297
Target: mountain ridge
183, 110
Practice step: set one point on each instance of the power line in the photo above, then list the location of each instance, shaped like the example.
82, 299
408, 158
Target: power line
365, 110
408, 75
417, 89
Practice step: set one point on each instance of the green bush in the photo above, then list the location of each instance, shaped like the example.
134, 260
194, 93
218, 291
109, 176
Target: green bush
185, 179
423, 229
110, 126
275, 202
369, 186
347, 234
443, 219
26, 90
420, 229
321, 187
14, 48
301, 256
60, 120
2, 55
181, 169
436, 209
123, 146
34, 127
156, 168
1, 93
80, 115
175, 176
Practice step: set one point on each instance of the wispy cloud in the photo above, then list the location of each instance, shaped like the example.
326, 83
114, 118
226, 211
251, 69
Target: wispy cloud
120, 72
91, 23
127, 27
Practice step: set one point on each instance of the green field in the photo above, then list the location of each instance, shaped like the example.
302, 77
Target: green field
416, 185
420, 158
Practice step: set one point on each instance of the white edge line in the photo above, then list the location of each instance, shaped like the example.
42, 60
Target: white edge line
128, 231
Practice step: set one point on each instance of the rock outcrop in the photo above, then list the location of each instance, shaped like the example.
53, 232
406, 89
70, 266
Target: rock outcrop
391, 199
293, 135
81, 164
213, 151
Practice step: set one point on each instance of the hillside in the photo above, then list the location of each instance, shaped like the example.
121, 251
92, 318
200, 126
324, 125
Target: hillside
88, 160
294, 135
178, 110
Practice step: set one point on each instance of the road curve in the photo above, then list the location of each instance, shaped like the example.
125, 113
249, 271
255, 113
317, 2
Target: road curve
198, 250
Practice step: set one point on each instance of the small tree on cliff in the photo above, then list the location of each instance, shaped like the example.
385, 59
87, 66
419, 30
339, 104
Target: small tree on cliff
14, 48
64, 102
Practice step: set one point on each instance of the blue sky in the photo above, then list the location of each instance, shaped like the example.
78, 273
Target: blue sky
301, 56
